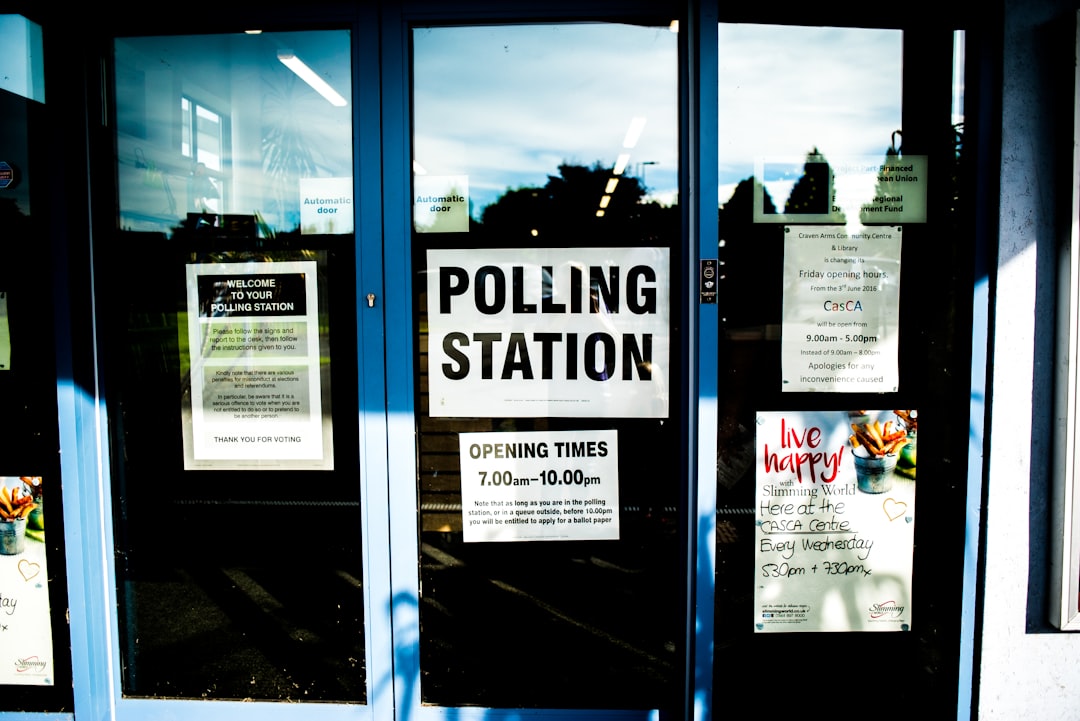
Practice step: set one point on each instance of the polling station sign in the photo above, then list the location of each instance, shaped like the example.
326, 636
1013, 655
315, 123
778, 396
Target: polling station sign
548, 332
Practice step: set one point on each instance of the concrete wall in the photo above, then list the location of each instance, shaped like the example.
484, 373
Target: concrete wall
1027, 668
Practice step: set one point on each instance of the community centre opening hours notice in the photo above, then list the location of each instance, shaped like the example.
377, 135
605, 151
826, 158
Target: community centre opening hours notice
841, 321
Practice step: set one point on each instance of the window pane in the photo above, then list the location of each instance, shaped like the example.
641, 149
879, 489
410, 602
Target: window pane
552, 149
811, 120
227, 110
793, 101
239, 571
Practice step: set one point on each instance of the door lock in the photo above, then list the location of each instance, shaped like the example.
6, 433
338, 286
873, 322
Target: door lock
370, 300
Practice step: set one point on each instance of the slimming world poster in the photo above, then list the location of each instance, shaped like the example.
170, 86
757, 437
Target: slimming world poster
835, 520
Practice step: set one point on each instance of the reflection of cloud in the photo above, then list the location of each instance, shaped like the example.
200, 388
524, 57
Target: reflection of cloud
270, 113
507, 105
786, 90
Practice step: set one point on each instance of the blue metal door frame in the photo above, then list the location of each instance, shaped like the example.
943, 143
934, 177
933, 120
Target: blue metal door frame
698, 147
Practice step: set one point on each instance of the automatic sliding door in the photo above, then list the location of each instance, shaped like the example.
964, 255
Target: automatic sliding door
230, 353
546, 238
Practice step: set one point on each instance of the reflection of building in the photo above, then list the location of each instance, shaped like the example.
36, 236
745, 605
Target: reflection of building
163, 141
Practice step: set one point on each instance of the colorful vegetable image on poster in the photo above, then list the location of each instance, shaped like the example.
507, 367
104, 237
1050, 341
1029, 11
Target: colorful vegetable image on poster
835, 520
26, 653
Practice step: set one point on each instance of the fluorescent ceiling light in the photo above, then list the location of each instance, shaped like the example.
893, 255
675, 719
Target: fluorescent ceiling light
634, 132
620, 163
288, 59
612, 182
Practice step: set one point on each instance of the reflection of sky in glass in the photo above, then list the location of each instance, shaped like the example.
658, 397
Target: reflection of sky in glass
787, 90
507, 105
260, 129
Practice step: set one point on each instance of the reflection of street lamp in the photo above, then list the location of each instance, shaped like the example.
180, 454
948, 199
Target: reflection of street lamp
643, 164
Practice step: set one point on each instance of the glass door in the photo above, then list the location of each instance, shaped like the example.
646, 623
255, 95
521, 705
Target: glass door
232, 355
844, 211
545, 252
527, 253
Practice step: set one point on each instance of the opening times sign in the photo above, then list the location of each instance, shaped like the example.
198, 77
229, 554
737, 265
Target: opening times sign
548, 332
540, 486
256, 376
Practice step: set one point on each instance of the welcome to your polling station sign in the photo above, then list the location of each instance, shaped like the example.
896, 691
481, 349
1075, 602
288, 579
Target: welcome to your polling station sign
548, 332
257, 381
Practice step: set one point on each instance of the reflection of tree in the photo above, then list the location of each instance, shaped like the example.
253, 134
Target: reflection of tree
751, 257
564, 212
749, 298
12, 216
812, 193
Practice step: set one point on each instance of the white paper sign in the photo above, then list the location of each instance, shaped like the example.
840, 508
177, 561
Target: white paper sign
26, 648
834, 526
853, 190
256, 375
441, 203
540, 486
548, 332
326, 206
841, 331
